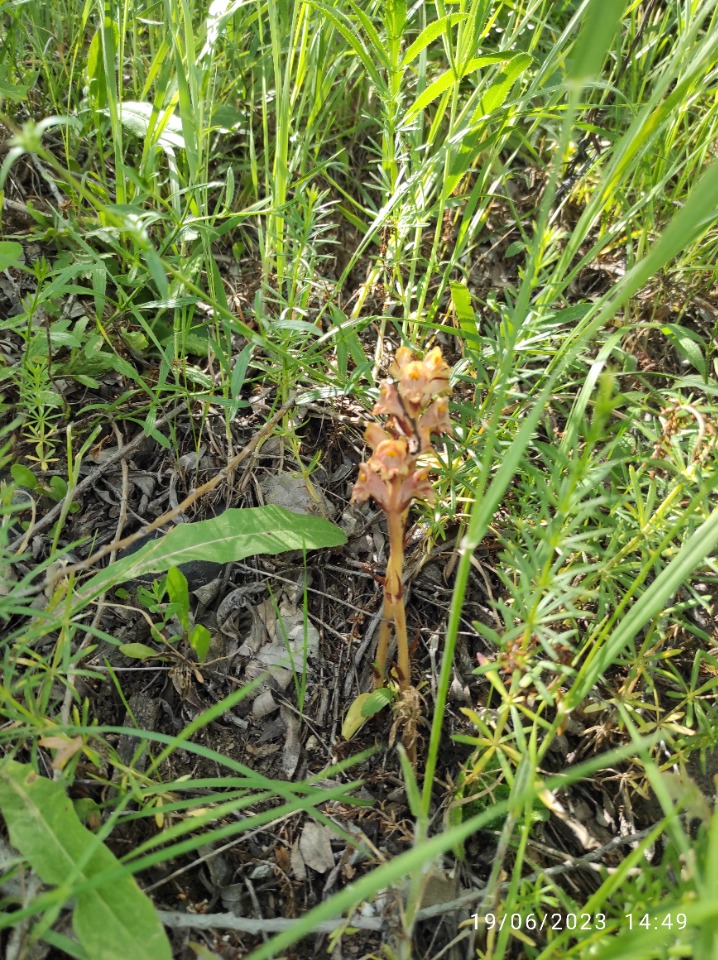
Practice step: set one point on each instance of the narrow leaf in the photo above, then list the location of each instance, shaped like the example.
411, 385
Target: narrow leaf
178, 592
599, 25
461, 299
449, 79
352, 40
650, 604
499, 90
434, 90
430, 33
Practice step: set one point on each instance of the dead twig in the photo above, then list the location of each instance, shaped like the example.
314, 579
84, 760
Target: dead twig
227, 921
92, 478
192, 497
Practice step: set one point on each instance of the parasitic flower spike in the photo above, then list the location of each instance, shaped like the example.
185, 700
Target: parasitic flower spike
416, 406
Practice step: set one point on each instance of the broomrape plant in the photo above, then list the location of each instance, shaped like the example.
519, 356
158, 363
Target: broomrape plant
416, 406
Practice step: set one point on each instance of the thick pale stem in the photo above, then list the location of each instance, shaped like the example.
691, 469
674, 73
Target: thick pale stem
382, 649
394, 593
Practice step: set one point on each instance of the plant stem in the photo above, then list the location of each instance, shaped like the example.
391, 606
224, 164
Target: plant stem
394, 593
382, 648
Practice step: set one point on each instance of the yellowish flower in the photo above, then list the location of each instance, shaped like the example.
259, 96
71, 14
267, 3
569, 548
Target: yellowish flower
389, 402
374, 435
420, 381
434, 421
391, 459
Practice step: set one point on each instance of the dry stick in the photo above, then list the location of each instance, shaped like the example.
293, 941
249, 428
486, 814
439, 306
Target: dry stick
228, 921
92, 478
191, 498
570, 864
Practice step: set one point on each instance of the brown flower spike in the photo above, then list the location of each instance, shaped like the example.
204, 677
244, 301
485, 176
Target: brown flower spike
416, 406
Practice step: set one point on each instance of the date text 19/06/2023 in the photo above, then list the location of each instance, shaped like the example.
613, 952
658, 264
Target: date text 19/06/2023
577, 921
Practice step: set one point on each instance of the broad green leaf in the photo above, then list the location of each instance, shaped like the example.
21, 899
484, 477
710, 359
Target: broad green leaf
430, 33
58, 488
178, 592
199, 641
12, 91
233, 535
518, 246
10, 254
355, 719
688, 344
24, 476
195, 344
111, 921
363, 707
166, 130
86, 381
377, 700
139, 651
227, 117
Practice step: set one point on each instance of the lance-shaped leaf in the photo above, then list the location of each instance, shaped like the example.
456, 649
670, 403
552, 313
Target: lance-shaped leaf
110, 920
233, 535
